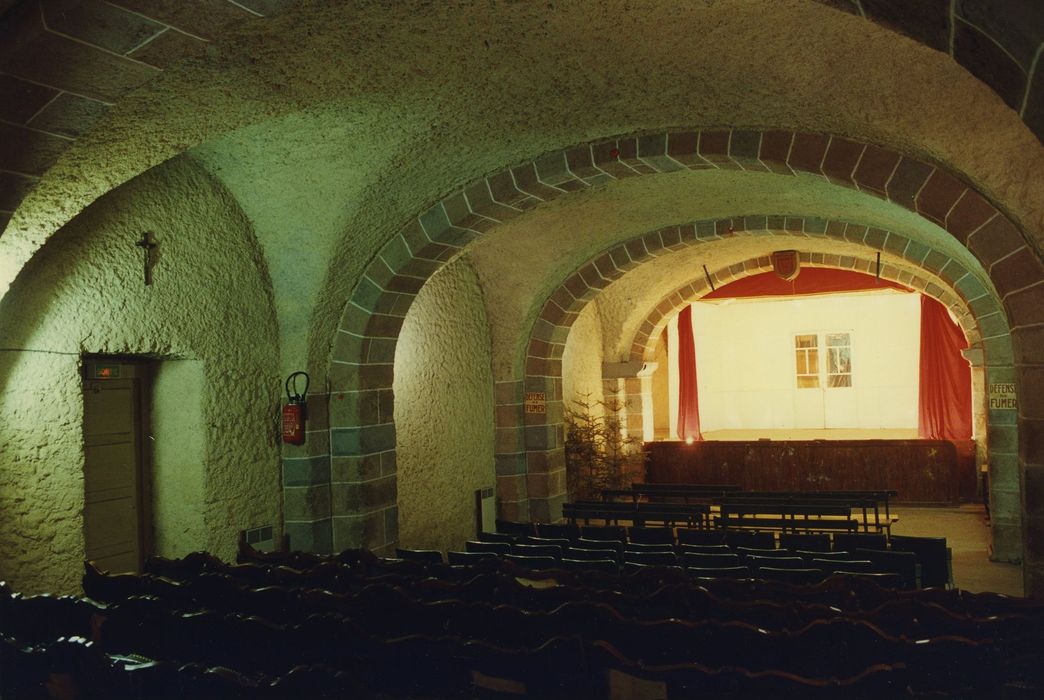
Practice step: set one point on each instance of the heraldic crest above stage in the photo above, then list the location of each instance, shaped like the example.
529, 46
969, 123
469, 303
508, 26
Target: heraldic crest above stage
787, 264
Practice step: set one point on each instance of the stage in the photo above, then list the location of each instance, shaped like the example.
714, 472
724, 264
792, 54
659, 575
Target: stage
922, 471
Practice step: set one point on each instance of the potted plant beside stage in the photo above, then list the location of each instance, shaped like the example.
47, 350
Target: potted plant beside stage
599, 455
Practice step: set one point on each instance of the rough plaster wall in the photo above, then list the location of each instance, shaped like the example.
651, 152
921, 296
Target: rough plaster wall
269, 168
84, 293
443, 411
178, 455
582, 360
430, 95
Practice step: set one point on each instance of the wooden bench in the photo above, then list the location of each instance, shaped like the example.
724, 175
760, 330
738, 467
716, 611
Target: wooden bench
869, 502
686, 493
696, 515
788, 517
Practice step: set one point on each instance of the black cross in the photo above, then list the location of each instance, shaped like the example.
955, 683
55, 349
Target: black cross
147, 245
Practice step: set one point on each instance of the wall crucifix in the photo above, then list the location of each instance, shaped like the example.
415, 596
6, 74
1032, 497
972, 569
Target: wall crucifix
147, 244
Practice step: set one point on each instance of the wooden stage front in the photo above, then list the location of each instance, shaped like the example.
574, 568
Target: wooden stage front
922, 471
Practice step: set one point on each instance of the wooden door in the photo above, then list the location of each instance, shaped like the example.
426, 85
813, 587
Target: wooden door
112, 519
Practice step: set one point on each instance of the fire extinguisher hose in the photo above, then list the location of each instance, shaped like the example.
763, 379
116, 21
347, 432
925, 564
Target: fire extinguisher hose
291, 387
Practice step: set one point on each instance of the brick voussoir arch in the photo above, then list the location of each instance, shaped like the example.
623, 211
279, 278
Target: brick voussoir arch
643, 348
980, 317
362, 431
958, 291
944, 279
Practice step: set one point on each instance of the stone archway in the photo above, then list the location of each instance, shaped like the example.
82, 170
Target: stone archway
980, 319
940, 277
362, 434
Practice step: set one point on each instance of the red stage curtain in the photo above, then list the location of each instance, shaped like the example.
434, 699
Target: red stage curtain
944, 407
688, 396
811, 280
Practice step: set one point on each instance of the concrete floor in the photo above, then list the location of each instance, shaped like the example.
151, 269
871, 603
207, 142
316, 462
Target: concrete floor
968, 534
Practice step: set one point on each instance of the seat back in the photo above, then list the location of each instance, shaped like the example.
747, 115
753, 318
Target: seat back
591, 554
718, 571
558, 531
584, 543
490, 547
532, 562
537, 550
756, 563
651, 535
842, 565
810, 557
805, 542
703, 561
796, 576
700, 537
704, 549
616, 533
903, 564
557, 542
750, 538
635, 547
933, 556
496, 537
882, 579
757, 552
605, 565
851, 541
468, 558
430, 556
516, 528
650, 558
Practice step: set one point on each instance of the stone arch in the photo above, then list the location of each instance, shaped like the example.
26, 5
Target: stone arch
362, 432
944, 279
637, 393
980, 315
952, 298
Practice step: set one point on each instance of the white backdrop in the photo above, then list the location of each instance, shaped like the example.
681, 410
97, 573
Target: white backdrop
746, 363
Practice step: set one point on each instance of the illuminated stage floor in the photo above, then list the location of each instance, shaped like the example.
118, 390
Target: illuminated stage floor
830, 434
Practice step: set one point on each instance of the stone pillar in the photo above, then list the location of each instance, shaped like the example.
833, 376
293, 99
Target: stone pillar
510, 455
545, 447
630, 383
980, 427
363, 469
306, 482
661, 395
1002, 441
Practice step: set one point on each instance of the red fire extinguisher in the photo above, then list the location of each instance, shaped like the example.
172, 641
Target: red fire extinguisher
295, 411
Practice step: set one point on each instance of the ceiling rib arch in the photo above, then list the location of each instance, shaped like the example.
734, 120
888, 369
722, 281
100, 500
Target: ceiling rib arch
541, 432
947, 280
643, 347
361, 359
378, 303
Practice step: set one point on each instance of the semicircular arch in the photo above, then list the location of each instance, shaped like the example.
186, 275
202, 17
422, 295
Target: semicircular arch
949, 281
362, 358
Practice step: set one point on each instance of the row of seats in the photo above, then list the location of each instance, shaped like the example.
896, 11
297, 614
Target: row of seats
931, 553
647, 593
666, 535
458, 628
896, 569
438, 667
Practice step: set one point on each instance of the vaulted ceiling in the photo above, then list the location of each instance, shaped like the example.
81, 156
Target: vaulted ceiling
65, 63
332, 125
